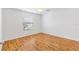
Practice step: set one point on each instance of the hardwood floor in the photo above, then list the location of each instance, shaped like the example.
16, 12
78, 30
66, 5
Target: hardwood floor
41, 42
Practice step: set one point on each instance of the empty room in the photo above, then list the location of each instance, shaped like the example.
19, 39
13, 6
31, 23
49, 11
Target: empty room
39, 29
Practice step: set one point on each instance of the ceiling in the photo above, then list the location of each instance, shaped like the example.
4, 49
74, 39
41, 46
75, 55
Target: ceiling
34, 10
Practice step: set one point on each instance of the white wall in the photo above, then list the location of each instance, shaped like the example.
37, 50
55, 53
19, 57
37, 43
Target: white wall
1, 29
12, 23
58, 21
64, 22
0, 26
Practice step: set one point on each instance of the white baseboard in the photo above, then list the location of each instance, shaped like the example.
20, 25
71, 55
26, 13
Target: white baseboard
62, 36
19, 37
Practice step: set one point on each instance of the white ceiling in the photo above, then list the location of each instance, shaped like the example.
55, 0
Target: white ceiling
34, 10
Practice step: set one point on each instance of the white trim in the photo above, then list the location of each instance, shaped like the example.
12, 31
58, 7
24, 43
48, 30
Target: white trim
20, 36
50, 34
62, 36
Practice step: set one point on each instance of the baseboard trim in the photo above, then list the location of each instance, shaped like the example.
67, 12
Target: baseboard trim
20, 36
62, 36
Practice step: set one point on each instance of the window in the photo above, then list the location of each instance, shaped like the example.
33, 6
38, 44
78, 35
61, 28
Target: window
27, 24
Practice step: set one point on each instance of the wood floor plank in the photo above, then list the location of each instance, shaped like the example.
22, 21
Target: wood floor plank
41, 42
